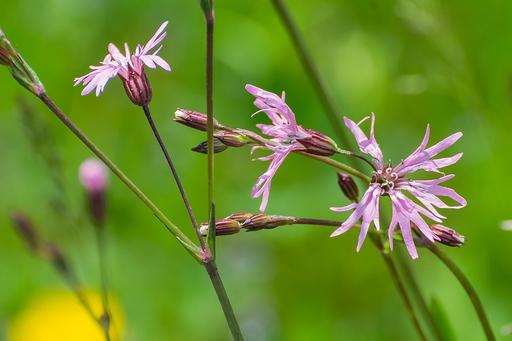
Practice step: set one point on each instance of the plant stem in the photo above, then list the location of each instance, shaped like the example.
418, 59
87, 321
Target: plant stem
216, 280
101, 241
174, 174
311, 69
416, 291
339, 166
464, 281
210, 24
395, 275
182, 238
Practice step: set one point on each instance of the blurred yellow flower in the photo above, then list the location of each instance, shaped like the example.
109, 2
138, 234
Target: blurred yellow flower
58, 316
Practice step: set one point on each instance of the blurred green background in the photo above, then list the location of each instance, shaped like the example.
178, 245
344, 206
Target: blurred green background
447, 63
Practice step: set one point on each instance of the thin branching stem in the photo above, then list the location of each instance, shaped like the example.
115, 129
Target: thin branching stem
395, 276
180, 236
175, 175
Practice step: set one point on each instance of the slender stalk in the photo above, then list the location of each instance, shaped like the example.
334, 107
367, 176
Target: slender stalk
75, 287
418, 295
311, 69
471, 292
210, 24
180, 236
102, 256
216, 280
395, 276
210, 265
339, 166
174, 174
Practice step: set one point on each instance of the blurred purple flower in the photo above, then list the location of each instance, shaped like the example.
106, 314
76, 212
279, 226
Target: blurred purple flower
93, 176
287, 136
391, 181
125, 66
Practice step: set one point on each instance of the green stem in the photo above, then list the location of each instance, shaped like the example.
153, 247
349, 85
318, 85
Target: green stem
182, 238
210, 24
175, 175
418, 295
395, 276
216, 280
311, 70
339, 166
471, 292
101, 241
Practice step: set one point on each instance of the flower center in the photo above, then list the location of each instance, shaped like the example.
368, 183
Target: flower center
387, 178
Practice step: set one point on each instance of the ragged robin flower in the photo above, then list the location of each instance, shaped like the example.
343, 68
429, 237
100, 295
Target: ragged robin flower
129, 67
392, 181
287, 136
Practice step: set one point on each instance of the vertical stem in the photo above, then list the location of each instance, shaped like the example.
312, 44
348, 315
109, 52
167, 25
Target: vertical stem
210, 23
311, 70
464, 281
395, 275
106, 319
416, 291
174, 174
213, 272
182, 238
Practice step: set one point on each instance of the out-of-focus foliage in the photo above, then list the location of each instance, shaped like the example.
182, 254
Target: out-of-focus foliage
447, 63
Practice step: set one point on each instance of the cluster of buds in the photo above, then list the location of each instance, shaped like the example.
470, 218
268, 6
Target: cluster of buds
313, 142
236, 222
20, 70
37, 246
222, 137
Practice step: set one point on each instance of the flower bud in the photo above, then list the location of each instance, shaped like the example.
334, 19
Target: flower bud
94, 178
241, 217
318, 143
261, 221
447, 236
348, 186
223, 227
27, 231
231, 139
137, 87
193, 119
20, 70
218, 147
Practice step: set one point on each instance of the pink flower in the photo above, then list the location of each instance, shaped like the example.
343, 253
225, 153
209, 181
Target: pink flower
93, 176
287, 136
391, 181
129, 67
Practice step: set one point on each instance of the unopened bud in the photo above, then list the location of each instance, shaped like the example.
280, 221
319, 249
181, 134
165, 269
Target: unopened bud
94, 179
218, 147
348, 186
261, 221
447, 236
193, 119
318, 143
58, 260
137, 88
26, 230
241, 217
231, 139
223, 227
20, 70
